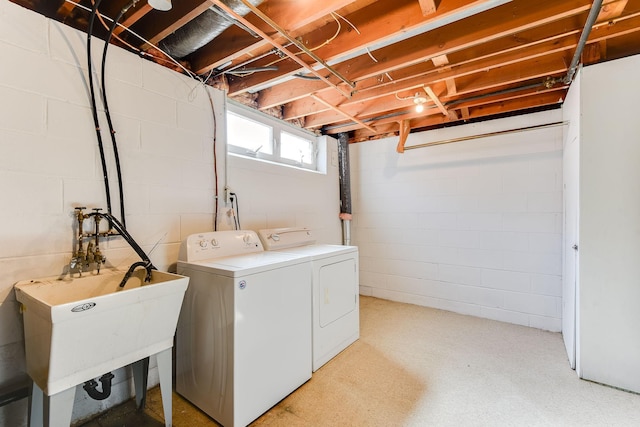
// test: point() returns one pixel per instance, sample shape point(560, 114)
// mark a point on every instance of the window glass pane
point(295, 148)
point(253, 136)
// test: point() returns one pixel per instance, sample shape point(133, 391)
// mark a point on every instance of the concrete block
point(22, 111)
point(507, 280)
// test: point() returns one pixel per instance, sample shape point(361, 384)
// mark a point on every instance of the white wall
point(473, 227)
point(49, 163)
point(609, 291)
point(281, 196)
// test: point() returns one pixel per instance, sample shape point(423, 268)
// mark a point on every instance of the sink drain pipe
point(345, 186)
point(91, 387)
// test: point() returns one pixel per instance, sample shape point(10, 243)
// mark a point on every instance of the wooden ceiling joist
point(428, 6)
point(470, 64)
point(343, 113)
point(405, 129)
point(436, 100)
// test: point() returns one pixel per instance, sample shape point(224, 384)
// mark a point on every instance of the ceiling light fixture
point(419, 101)
point(162, 5)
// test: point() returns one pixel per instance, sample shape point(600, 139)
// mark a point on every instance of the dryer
point(244, 331)
point(335, 288)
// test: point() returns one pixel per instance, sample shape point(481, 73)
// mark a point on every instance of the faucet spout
point(146, 265)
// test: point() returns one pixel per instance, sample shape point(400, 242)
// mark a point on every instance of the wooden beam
point(536, 100)
point(276, 44)
point(235, 42)
point(466, 50)
point(465, 113)
point(436, 100)
point(373, 24)
point(451, 86)
point(338, 110)
point(611, 9)
point(405, 129)
point(428, 6)
point(133, 17)
point(594, 52)
point(440, 60)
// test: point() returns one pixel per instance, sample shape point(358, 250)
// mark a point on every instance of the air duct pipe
point(202, 29)
point(345, 186)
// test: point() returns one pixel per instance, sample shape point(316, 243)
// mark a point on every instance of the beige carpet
point(415, 366)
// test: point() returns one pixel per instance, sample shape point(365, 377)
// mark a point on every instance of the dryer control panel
point(282, 238)
point(218, 244)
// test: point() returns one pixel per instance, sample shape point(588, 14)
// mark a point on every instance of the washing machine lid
point(316, 252)
point(242, 265)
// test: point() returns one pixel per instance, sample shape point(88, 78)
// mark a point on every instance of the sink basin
point(77, 329)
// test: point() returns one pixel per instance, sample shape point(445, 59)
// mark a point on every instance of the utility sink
point(77, 329)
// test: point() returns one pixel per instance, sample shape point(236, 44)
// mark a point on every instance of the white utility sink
point(77, 329)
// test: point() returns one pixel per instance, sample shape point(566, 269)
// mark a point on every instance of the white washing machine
point(335, 288)
point(244, 332)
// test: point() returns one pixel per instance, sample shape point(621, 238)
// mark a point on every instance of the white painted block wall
point(49, 163)
point(473, 227)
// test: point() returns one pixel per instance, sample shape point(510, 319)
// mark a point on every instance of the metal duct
point(202, 29)
point(343, 169)
point(345, 186)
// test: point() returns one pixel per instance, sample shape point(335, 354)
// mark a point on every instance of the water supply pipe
point(146, 261)
point(94, 109)
point(107, 113)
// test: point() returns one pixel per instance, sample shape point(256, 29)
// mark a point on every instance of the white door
point(570, 255)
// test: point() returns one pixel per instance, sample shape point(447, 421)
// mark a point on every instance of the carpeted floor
point(416, 366)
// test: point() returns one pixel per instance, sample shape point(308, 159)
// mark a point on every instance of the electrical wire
point(347, 21)
point(326, 42)
point(170, 59)
point(236, 210)
point(215, 163)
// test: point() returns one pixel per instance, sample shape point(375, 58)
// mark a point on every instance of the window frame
point(277, 127)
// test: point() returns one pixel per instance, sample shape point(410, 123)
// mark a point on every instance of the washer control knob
point(203, 243)
point(247, 238)
point(214, 242)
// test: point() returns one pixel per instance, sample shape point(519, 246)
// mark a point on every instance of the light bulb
point(419, 108)
point(162, 5)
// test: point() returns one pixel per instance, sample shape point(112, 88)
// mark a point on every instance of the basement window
point(253, 134)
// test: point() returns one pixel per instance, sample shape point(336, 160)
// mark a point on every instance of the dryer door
point(337, 291)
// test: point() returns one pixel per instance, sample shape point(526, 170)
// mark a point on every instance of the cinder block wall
point(49, 163)
point(473, 227)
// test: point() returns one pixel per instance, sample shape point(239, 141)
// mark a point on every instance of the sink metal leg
point(36, 404)
point(58, 408)
point(164, 371)
point(140, 376)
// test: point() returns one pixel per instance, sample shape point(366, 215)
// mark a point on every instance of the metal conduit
point(484, 135)
point(591, 19)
